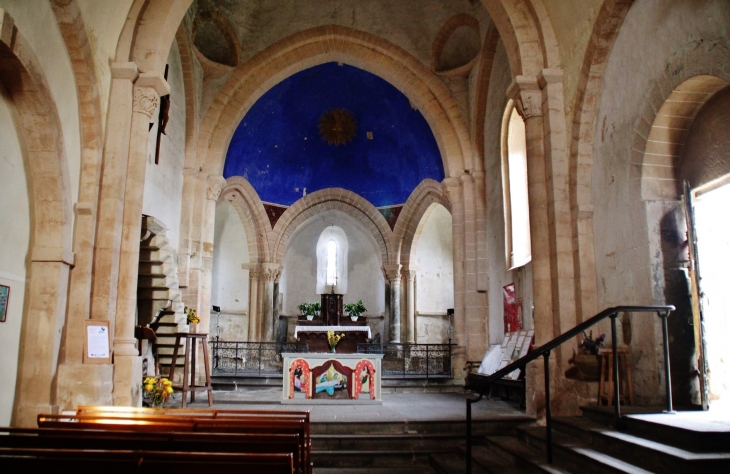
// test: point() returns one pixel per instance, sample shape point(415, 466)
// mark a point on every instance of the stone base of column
point(85, 384)
point(26, 416)
point(458, 361)
point(127, 381)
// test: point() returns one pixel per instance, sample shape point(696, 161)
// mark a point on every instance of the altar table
point(316, 337)
point(327, 378)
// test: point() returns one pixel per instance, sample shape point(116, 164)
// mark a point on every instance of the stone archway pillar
point(214, 186)
point(393, 274)
point(253, 292)
point(270, 273)
point(127, 363)
point(539, 101)
point(410, 274)
point(452, 190)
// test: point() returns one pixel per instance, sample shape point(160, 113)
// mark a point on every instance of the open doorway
point(713, 248)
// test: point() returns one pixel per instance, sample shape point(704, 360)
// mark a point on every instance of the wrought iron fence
point(251, 358)
point(412, 360)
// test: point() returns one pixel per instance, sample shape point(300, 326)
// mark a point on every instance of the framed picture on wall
point(4, 296)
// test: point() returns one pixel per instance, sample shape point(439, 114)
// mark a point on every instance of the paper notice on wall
point(98, 342)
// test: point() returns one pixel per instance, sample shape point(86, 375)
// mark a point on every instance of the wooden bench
point(94, 461)
point(262, 424)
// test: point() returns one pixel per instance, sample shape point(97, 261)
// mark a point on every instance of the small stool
point(605, 384)
point(188, 385)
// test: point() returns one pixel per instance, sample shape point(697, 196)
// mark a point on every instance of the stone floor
point(396, 407)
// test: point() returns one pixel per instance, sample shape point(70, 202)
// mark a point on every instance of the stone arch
point(427, 193)
point(335, 43)
point(489, 49)
point(525, 29)
point(226, 29)
point(590, 83)
point(184, 45)
point(50, 246)
point(332, 199)
point(442, 37)
point(693, 76)
point(244, 199)
point(148, 33)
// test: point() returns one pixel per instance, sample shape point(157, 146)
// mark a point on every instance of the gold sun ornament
point(337, 126)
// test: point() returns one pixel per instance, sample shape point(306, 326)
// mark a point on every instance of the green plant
point(354, 309)
point(310, 309)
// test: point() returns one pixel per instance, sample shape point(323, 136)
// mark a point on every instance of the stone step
point(645, 453)
point(411, 441)
point(375, 458)
point(505, 425)
point(524, 458)
point(454, 463)
point(575, 454)
point(713, 438)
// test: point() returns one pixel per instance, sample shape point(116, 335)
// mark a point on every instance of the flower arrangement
point(354, 310)
point(157, 390)
point(589, 345)
point(192, 315)
point(310, 310)
point(333, 339)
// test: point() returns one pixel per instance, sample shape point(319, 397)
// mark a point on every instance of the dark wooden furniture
point(331, 309)
point(188, 383)
point(317, 341)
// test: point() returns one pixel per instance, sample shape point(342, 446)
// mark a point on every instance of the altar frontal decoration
point(322, 378)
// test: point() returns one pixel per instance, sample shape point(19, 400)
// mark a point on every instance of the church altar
point(327, 378)
point(316, 337)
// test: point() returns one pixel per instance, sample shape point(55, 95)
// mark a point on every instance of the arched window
point(331, 262)
point(332, 250)
point(514, 187)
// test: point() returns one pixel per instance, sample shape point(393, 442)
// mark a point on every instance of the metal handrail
point(482, 383)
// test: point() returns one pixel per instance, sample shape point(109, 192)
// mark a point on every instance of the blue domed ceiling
point(277, 146)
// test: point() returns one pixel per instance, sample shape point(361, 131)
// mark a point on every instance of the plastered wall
point(15, 225)
point(629, 255)
point(163, 182)
point(365, 278)
point(230, 281)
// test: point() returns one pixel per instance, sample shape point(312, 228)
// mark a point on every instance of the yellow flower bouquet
point(192, 315)
point(157, 390)
point(333, 339)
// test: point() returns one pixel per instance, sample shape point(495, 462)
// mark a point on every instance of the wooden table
point(188, 384)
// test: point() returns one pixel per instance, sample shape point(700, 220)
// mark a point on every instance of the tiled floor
point(396, 406)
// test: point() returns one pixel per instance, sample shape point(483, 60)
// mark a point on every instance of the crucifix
point(162, 119)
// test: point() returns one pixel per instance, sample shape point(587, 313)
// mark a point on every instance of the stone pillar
point(253, 292)
point(46, 308)
point(214, 186)
point(452, 190)
point(186, 222)
point(270, 273)
point(480, 198)
point(393, 274)
point(410, 274)
point(127, 363)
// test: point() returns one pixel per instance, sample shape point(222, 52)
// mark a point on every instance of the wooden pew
point(123, 461)
point(262, 424)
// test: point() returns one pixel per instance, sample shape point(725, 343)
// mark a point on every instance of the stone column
point(186, 222)
point(127, 363)
point(452, 190)
point(214, 186)
point(270, 273)
point(410, 274)
point(253, 292)
point(46, 308)
point(392, 273)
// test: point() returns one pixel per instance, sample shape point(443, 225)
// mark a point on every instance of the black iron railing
point(412, 360)
point(251, 358)
point(481, 383)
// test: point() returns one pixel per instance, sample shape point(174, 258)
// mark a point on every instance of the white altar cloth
point(336, 329)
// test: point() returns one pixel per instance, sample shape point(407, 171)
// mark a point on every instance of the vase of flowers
point(157, 390)
point(354, 310)
point(193, 319)
point(590, 345)
point(333, 339)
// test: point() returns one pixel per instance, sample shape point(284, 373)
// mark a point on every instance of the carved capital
point(392, 272)
point(145, 100)
point(526, 93)
point(409, 274)
point(253, 275)
point(214, 186)
point(271, 272)
point(452, 189)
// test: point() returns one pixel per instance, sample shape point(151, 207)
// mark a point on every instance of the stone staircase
point(159, 300)
point(394, 447)
point(591, 444)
